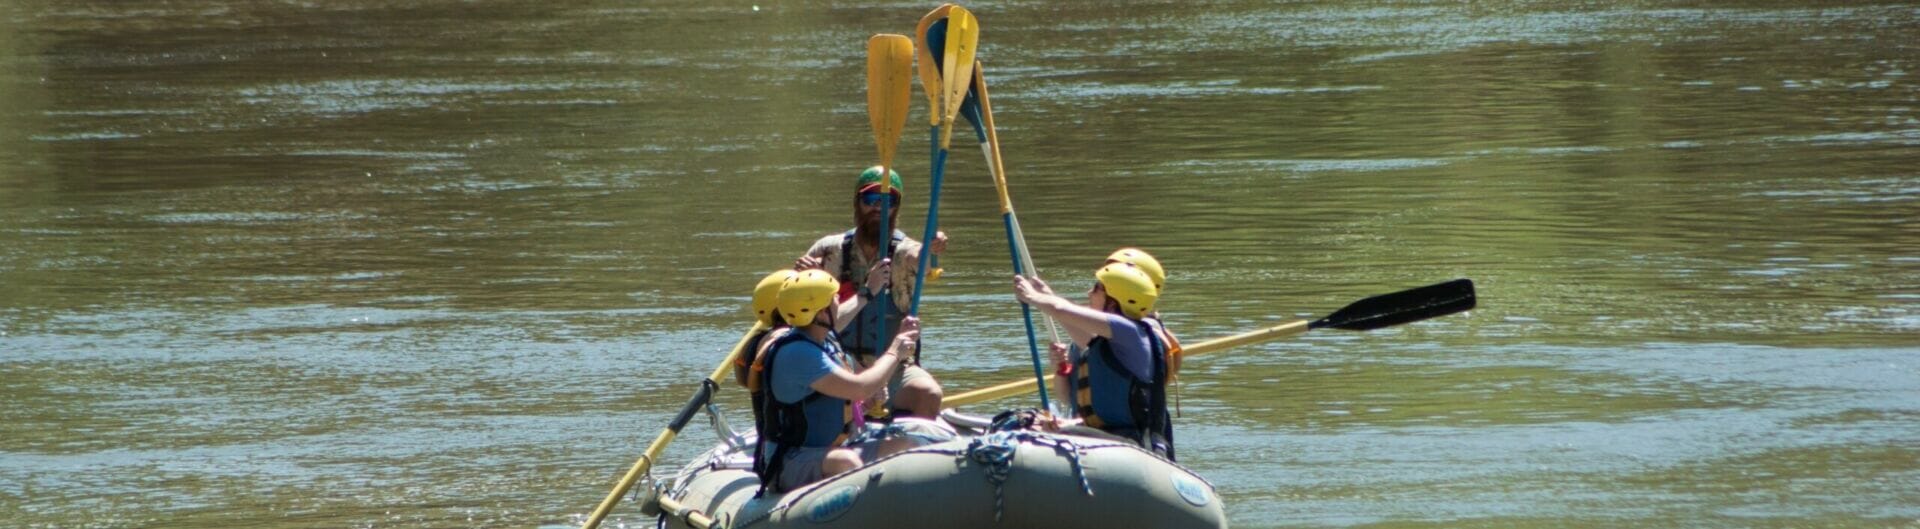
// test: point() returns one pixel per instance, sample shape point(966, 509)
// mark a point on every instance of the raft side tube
point(944, 486)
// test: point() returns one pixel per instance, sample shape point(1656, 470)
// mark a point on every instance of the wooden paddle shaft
point(1021, 387)
point(693, 517)
point(700, 398)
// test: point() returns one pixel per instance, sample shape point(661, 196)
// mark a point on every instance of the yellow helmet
point(1145, 262)
point(766, 295)
point(1128, 286)
point(805, 294)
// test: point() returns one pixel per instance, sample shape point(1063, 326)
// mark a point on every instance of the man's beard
point(871, 225)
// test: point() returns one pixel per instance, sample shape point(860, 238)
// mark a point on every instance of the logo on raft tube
point(833, 504)
point(1191, 490)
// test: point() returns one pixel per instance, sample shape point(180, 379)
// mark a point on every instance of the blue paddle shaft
point(933, 221)
point(1026, 312)
point(885, 296)
point(971, 109)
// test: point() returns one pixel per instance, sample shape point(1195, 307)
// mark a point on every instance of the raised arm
point(845, 384)
point(850, 309)
point(1082, 323)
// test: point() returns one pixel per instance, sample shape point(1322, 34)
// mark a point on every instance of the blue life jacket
point(1111, 398)
point(786, 425)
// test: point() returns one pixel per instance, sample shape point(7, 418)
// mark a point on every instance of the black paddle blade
point(1406, 306)
point(935, 40)
point(970, 109)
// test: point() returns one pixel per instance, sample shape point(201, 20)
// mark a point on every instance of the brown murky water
point(451, 264)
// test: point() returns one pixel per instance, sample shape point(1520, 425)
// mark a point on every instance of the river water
point(452, 264)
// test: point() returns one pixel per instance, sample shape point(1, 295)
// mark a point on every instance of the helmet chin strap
point(827, 315)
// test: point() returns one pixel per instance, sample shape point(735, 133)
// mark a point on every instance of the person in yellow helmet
point(850, 257)
point(812, 388)
point(1121, 380)
point(1146, 263)
point(765, 294)
point(771, 327)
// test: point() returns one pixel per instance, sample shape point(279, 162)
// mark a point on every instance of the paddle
point(930, 83)
point(978, 108)
point(700, 398)
point(957, 52)
point(960, 97)
point(1372, 313)
point(889, 94)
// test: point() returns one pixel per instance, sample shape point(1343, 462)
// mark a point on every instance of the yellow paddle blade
point(963, 35)
point(929, 71)
point(889, 92)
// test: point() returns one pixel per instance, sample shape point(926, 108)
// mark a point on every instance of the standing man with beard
point(848, 256)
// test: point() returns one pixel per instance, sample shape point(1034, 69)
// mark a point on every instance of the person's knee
point(927, 388)
point(922, 397)
point(839, 461)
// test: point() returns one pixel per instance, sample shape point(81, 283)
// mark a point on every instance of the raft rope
point(640, 493)
point(995, 451)
point(728, 435)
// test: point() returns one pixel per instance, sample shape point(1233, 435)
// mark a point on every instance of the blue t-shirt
point(796, 366)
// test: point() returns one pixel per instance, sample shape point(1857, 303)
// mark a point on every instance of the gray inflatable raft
point(1018, 479)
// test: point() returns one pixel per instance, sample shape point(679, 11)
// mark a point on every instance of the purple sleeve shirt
point(1130, 346)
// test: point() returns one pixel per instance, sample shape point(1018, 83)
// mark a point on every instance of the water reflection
point(451, 264)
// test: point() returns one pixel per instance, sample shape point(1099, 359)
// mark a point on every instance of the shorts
point(804, 464)
point(917, 431)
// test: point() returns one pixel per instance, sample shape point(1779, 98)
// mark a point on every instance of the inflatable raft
point(1008, 479)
